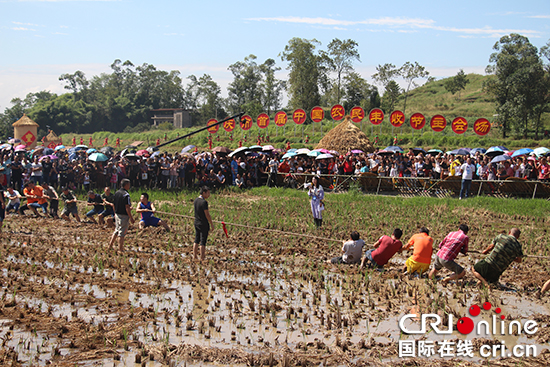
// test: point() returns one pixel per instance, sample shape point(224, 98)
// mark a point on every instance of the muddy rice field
point(259, 299)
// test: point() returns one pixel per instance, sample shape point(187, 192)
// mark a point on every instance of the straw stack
point(345, 137)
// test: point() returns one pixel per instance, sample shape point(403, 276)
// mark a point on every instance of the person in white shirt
point(352, 251)
point(14, 200)
point(468, 170)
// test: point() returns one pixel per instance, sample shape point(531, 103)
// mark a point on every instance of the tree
point(245, 89)
point(77, 83)
point(339, 58)
point(210, 100)
point(385, 76)
point(457, 83)
point(391, 93)
point(409, 72)
point(517, 73)
point(305, 73)
point(272, 88)
point(357, 92)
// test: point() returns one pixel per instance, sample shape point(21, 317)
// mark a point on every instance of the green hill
point(432, 98)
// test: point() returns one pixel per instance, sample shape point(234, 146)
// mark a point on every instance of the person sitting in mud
point(449, 248)
point(421, 258)
point(69, 201)
point(383, 250)
point(51, 195)
point(351, 250)
point(504, 250)
point(147, 209)
point(14, 200)
point(96, 201)
point(35, 199)
point(109, 213)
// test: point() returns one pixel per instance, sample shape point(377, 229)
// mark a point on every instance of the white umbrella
point(303, 151)
point(324, 156)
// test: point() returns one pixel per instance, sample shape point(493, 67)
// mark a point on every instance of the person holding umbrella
point(317, 195)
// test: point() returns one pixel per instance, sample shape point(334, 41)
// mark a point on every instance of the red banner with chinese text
point(317, 114)
point(397, 118)
point(357, 114)
point(482, 126)
point(281, 118)
point(438, 123)
point(262, 120)
point(299, 116)
point(459, 125)
point(214, 129)
point(417, 121)
point(229, 125)
point(376, 116)
point(337, 112)
point(246, 122)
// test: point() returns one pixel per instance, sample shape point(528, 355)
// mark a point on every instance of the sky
point(42, 39)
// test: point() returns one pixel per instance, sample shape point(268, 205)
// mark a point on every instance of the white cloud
point(539, 16)
point(29, 24)
point(23, 29)
point(399, 22)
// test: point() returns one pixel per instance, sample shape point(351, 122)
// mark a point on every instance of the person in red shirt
point(287, 145)
point(348, 166)
point(91, 142)
point(81, 141)
point(74, 141)
point(284, 167)
point(383, 250)
point(117, 142)
point(105, 142)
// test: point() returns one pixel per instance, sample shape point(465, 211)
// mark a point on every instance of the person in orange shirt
point(35, 199)
point(422, 252)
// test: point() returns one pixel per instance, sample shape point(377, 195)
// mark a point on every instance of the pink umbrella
point(143, 153)
point(21, 146)
point(325, 151)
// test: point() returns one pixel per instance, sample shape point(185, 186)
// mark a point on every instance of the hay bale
point(345, 137)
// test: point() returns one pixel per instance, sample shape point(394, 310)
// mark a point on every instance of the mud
point(257, 300)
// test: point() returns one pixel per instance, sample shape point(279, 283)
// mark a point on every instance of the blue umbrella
point(291, 150)
point(523, 151)
point(91, 150)
point(475, 150)
point(314, 153)
point(501, 158)
point(72, 156)
point(98, 157)
point(289, 155)
point(393, 148)
point(59, 147)
point(187, 148)
point(541, 151)
point(460, 151)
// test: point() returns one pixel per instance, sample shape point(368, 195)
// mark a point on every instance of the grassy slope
point(430, 99)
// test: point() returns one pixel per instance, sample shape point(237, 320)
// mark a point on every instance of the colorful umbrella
point(494, 151)
point(98, 157)
point(14, 141)
point(314, 153)
point(324, 156)
point(523, 151)
point(187, 148)
point(501, 158)
point(59, 147)
point(289, 155)
point(91, 150)
point(268, 148)
point(143, 153)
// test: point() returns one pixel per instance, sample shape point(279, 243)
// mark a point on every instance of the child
point(147, 209)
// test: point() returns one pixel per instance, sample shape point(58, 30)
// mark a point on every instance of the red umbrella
point(143, 153)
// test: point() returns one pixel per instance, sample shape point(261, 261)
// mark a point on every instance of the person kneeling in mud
point(351, 249)
point(421, 258)
point(147, 209)
point(383, 250)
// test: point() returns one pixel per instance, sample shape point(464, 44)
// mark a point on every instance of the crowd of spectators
point(173, 171)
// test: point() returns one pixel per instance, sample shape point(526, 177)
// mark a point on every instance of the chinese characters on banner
point(459, 125)
point(229, 125)
point(213, 129)
point(262, 120)
point(427, 348)
point(281, 118)
point(417, 121)
point(317, 114)
point(246, 122)
point(299, 116)
point(376, 116)
point(438, 123)
point(482, 126)
point(397, 118)
point(337, 112)
point(357, 114)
